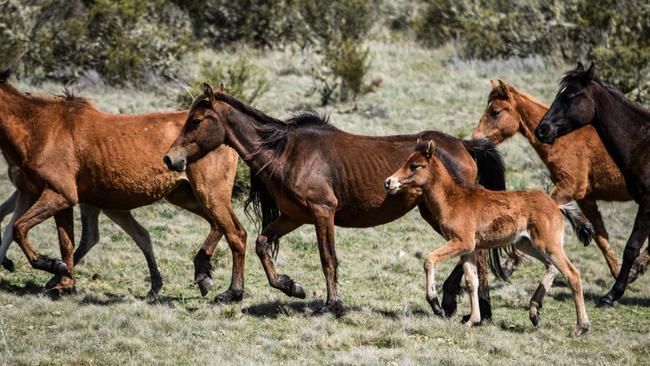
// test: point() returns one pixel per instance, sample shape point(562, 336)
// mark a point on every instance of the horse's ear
point(431, 147)
point(493, 84)
point(591, 72)
point(503, 88)
point(220, 89)
point(580, 67)
point(207, 91)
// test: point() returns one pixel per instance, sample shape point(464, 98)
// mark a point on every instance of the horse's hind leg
point(23, 202)
point(140, 235)
point(65, 227)
point(6, 208)
point(639, 266)
point(545, 284)
point(550, 244)
point(590, 209)
point(278, 228)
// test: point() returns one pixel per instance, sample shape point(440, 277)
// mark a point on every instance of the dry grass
point(387, 320)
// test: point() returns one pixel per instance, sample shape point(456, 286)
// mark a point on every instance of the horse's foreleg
point(590, 209)
point(452, 248)
point(639, 234)
point(324, 223)
point(65, 228)
point(278, 228)
point(47, 205)
point(23, 202)
point(140, 235)
point(6, 208)
point(471, 278)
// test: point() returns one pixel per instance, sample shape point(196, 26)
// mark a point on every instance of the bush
point(261, 23)
point(614, 34)
point(240, 78)
point(335, 32)
point(121, 40)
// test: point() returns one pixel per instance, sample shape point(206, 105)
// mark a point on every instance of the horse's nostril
point(387, 182)
point(167, 160)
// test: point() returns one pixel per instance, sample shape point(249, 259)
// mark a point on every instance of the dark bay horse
point(579, 165)
point(318, 174)
point(473, 217)
point(63, 151)
point(624, 128)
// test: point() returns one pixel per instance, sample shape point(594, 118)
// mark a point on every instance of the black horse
point(624, 127)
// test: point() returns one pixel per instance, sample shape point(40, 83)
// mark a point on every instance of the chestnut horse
point(472, 217)
point(67, 152)
point(623, 127)
point(316, 174)
point(579, 166)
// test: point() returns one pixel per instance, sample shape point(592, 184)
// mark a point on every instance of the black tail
point(264, 210)
point(580, 224)
point(491, 175)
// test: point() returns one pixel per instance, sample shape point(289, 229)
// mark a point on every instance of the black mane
point(273, 132)
point(5, 74)
point(577, 75)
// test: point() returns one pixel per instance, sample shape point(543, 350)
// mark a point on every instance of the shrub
point(121, 40)
point(614, 34)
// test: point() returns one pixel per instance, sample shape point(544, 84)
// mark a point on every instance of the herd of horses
point(61, 151)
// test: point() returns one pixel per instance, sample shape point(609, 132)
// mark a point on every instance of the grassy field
point(388, 321)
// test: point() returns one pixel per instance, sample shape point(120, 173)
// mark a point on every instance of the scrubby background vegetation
point(401, 67)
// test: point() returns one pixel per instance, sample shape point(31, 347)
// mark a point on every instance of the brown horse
point(316, 174)
point(623, 127)
point(471, 217)
point(579, 165)
point(67, 152)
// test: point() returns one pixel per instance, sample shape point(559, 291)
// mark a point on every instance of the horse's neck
point(622, 129)
point(531, 112)
point(243, 136)
point(441, 191)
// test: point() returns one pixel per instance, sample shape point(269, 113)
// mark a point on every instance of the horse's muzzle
point(177, 165)
point(545, 133)
point(392, 185)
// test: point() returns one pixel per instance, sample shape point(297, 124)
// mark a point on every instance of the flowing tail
point(260, 207)
point(491, 175)
point(579, 223)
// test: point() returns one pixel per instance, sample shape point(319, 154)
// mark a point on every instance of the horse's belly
point(126, 194)
point(390, 209)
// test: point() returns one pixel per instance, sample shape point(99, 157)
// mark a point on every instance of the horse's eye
point(494, 113)
point(196, 121)
point(414, 166)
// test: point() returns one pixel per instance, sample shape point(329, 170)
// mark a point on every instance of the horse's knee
point(630, 253)
point(261, 246)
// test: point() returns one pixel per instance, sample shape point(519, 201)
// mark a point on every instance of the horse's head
point(415, 172)
point(203, 132)
point(573, 107)
point(500, 119)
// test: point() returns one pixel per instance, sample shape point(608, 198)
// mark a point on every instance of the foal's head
point(500, 119)
point(203, 132)
point(415, 172)
point(574, 105)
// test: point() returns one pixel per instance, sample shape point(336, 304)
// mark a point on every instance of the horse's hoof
point(580, 330)
point(606, 301)
point(435, 306)
point(472, 323)
point(298, 291)
point(205, 283)
point(449, 306)
point(485, 309)
point(52, 282)
point(229, 296)
point(152, 296)
point(334, 307)
point(8, 264)
point(59, 290)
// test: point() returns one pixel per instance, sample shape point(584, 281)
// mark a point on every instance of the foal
point(471, 217)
